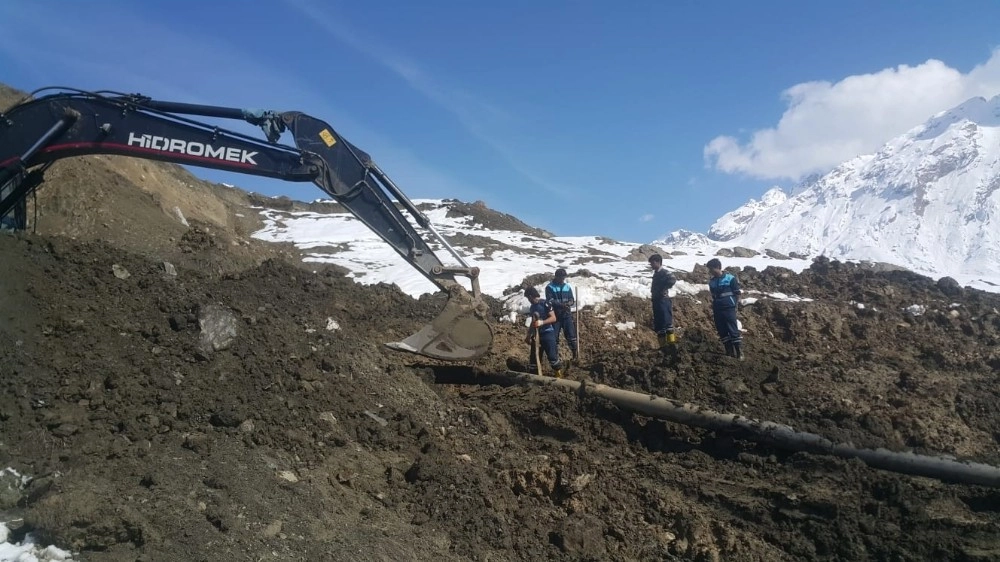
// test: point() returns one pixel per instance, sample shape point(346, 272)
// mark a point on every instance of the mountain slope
point(928, 200)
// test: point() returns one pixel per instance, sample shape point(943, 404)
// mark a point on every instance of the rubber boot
point(672, 338)
point(730, 350)
point(557, 373)
point(738, 349)
point(573, 345)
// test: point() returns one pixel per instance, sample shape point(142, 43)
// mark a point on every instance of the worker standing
point(543, 327)
point(560, 295)
point(725, 289)
point(663, 310)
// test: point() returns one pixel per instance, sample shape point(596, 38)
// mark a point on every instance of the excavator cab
point(39, 130)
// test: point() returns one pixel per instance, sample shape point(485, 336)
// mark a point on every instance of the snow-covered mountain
point(734, 223)
point(928, 200)
point(687, 240)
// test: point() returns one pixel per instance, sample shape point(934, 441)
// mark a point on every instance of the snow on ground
point(504, 257)
point(28, 551)
point(12, 483)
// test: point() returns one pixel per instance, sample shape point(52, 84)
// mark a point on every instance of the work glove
point(538, 324)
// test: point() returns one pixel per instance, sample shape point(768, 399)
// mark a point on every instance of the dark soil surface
point(301, 442)
point(301, 437)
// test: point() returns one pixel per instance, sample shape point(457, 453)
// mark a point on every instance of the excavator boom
point(39, 131)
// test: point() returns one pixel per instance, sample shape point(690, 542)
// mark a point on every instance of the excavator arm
point(40, 130)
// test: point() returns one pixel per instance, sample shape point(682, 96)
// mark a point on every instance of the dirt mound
point(490, 219)
point(145, 206)
point(179, 391)
point(300, 436)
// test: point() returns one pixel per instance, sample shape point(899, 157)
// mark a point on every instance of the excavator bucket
point(458, 333)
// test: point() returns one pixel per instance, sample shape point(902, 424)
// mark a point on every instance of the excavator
point(56, 122)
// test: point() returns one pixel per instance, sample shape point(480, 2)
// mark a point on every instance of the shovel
point(536, 345)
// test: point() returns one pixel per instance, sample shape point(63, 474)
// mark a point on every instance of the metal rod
point(67, 119)
point(20, 188)
point(579, 328)
point(421, 218)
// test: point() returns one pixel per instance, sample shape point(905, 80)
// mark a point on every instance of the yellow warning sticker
point(327, 137)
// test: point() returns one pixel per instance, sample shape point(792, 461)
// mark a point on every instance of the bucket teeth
point(457, 334)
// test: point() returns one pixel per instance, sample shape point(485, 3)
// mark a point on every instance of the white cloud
point(646, 218)
point(827, 123)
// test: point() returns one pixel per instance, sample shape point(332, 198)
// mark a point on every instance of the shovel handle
point(537, 345)
point(579, 327)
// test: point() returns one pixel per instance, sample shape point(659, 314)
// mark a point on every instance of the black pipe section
point(778, 435)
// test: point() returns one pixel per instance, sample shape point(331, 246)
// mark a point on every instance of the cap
point(714, 263)
point(560, 273)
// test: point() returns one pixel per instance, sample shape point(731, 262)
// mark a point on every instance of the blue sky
point(584, 118)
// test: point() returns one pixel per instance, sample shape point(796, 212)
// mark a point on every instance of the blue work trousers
point(726, 325)
point(567, 326)
point(663, 317)
point(549, 348)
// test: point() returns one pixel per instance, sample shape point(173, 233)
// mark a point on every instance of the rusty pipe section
point(778, 435)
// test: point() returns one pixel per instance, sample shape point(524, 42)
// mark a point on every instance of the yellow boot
point(557, 373)
point(671, 338)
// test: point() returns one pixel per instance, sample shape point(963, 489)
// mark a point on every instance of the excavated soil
point(309, 440)
point(304, 438)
